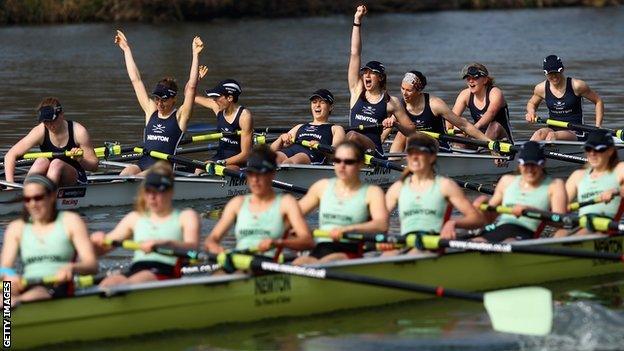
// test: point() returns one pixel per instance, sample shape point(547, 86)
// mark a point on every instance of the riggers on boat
point(199, 302)
point(118, 191)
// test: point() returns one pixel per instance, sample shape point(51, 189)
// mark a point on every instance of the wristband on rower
point(8, 271)
point(357, 24)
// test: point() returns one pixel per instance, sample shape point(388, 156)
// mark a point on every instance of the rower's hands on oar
point(265, 245)
point(360, 12)
point(389, 122)
point(286, 139)
point(448, 230)
point(336, 233)
point(203, 70)
point(64, 274)
point(98, 239)
point(76, 153)
point(517, 210)
point(608, 195)
point(198, 45)
point(121, 41)
point(530, 117)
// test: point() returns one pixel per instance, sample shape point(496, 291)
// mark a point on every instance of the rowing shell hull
point(199, 302)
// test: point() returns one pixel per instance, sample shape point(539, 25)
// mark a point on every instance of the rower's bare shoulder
point(540, 89)
point(394, 103)
point(557, 184)
point(70, 217)
point(188, 214)
point(577, 175)
point(374, 191)
point(579, 86)
point(288, 201)
point(319, 185)
point(15, 227)
point(506, 180)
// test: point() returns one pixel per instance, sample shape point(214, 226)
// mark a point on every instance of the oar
point(522, 310)
point(567, 220)
point(482, 188)
point(35, 155)
point(80, 281)
point(595, 200)
point(215, 169)
point(618, 133)
point(205, 127)
point(499, 146)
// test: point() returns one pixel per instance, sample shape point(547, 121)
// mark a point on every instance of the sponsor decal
point(607, 245)
point(69, 192)
point(272, 290)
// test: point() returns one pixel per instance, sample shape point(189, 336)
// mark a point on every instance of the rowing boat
point(101, 191)
point(198, 302)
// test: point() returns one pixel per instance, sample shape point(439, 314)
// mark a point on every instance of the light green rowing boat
point(199, 302)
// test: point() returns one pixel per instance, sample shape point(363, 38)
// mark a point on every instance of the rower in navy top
point(428, 112)
point(370, 103)
point(563, 97)
point(318, 131)
point(55, 134)
point(231, 117)
point(164, 124)
point(492, 118)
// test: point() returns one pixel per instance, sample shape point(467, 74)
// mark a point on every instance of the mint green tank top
point(536, 198)
point(44, 254)
point(253, 227)
point(146, 229)
point(589, 188)
point(421, 211)
point(337, 212)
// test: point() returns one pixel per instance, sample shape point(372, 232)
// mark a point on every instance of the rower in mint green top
point(338, 212)
point(421, 211)
point(146, 229)
point(44, 254)
point(589, 188)
point(537, 198)
point(253, 227)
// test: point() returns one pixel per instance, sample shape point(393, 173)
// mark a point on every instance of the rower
point(563, 97)
point(319, 131)
point(370, 103)
point(423, 197)
point(53, 129)
point(486, 103)
point(47, 241)
point(603, 177)
point(259, 218)
point(531, 189)
point(164, 124)
point(428, 112)
point(231, 117)
point(346, 205)
point(154, 221)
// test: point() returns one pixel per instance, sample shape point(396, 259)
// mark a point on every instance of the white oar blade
point(526, 310)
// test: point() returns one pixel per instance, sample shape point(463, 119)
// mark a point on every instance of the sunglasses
point(346, 161)
point(600, 150)
point(161, 100)
point(37, 198)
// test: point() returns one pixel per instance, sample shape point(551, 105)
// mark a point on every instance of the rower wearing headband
point(428, 112)
point(55, 134)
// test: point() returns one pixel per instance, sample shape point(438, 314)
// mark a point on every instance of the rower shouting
point(53, 131)
point(164, 124)
point(319, 131)
point(564, 100)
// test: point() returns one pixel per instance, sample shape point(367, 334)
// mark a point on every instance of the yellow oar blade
point(527, 311)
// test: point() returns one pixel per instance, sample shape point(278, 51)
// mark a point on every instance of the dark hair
point(234, 98)
point(49, 192)
point(263, 151)
point(357, 149)
point(169, 83)
point(424, 140)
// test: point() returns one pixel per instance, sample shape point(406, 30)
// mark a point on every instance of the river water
point(279, 63)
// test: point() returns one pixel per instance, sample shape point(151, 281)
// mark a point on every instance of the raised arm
point(202, 100)
point(146, 103)
point(228, 217)
point(581, 88)
point(190, 90)
point(355, 60)
point(534, 102)
point(32, 139)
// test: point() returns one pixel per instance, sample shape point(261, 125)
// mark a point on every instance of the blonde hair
point(425, 139)
point(162, 168)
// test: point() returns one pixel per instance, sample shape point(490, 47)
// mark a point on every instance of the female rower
point(52, 131)
point(154, 221)
point(47, 242)
point(486, 103)
point(531, 189)
point(319, 130)
point(423, 196)
point(603, 176)
point(428, 112)
point(563, 97)
point(346, 205)
point(231, 117)
point(164, 124)
point(370, 103)
point(259, 218)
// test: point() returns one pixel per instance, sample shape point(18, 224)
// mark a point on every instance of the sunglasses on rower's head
point(36, 198)
point(346, 161)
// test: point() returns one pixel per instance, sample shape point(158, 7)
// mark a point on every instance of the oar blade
point(526, 310)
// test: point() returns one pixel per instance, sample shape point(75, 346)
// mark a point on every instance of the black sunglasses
point(37, 198)
point(601, 150)
point(346, 161)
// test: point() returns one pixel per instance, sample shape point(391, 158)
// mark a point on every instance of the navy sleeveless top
point(568, 108)
point(366, 114)
point(160, 134)
point(319, 132)
point(427, 120)
point(47, 146)
point(229, 145)
point(502, 116)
